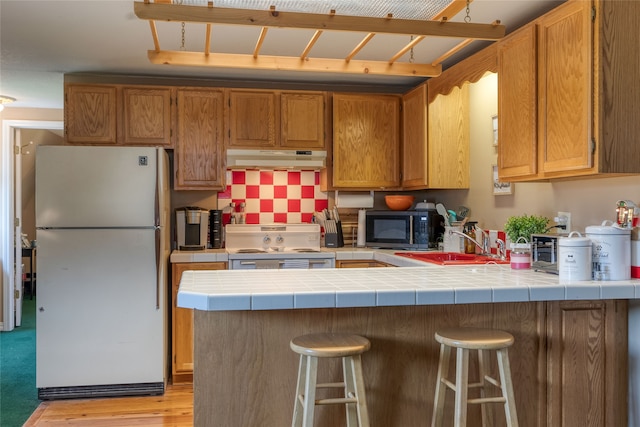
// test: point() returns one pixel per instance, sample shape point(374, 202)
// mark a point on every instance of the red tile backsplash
point(273, 196)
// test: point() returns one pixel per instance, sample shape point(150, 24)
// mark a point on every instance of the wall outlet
point(565, 218)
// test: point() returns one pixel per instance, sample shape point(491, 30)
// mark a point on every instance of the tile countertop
point(418, 284)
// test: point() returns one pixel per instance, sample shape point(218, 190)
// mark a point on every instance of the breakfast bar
point(569, 360)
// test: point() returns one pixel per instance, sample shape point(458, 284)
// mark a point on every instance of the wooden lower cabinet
point(182, 323)
point(568, 362)
point(362, 263)
point(587, 363)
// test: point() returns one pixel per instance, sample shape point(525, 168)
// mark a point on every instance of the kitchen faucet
point(484, 246)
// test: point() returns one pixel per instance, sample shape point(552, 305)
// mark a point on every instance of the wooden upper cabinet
point(147, 115)
point(253, 115)
point(302, 120)
point(366, 149)
point(197, 162)
point(587, 99)
point(414, 142)
point(90, 114)
point(448, 135)
point(565, 103)
point(517, 105)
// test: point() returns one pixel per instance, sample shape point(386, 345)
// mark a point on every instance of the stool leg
point(441, 388)
point(462, 386)
point(486, 411)
point(305, 392)
point(353, 371)
point(350, 391)
point(298, 406)
point(507, 387)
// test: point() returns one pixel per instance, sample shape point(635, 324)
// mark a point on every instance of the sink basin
point(451, 258)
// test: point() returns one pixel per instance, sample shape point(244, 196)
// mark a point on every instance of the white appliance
point(102, 216)
point(290, 159)
point(276, 246)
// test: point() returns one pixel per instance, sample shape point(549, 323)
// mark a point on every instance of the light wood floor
point(174, 408)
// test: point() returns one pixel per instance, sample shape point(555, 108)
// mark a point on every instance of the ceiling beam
point(272, 18)
point(285, 63)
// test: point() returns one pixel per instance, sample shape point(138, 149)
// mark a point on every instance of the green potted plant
point(523, 226)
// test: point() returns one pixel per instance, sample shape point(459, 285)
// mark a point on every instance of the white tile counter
point(228, 290)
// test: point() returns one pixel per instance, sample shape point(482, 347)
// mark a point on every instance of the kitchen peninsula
point(569, 360)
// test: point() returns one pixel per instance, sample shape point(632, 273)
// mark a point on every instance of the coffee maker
point(192, 227)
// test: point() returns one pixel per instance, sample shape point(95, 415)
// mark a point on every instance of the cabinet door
point(587, 352)
point(448, 135)
point(182, 323)
point(197, 161)
point(90, 114)
point(252, 118)
point(303, 120)
point(565, 102)
point(362, 264)
point(147, 116)
point(517, 105)
point(414, 134)
point(366, 141)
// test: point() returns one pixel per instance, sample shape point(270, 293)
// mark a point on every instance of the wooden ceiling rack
point(438, 26)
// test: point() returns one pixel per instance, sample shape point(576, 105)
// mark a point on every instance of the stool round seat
point(330, 345)
point(474, 338)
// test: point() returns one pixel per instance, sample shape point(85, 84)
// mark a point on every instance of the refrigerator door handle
point(158, 261)
point(157, 195)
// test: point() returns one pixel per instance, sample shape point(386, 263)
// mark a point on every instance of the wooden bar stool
point(349, 348)
point(465, 339)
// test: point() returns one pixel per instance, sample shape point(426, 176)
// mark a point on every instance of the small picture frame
point(494, 125)
point(500, 188)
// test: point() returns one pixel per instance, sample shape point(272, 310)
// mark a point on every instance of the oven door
point(280, 263)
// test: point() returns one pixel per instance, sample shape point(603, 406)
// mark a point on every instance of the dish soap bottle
point(470, 230)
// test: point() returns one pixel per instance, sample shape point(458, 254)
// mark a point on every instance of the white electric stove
point(275, 246)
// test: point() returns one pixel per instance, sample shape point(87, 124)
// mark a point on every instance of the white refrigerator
point(102, 230)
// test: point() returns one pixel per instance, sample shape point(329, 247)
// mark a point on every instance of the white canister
point(611, 248)
point(453, 242)
point(575, 257)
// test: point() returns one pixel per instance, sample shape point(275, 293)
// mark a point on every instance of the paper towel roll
point(361, 239)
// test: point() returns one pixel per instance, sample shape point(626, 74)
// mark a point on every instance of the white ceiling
point(41, 40)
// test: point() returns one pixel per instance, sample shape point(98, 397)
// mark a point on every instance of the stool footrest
point(335, 400)
point(487, 400)
point(330, 385)
point(449, 384)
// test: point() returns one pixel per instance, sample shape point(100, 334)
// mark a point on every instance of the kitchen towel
point(361, 239)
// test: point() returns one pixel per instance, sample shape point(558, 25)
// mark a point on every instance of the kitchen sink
point(451, 258)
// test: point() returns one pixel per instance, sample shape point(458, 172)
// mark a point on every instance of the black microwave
point(414, 230)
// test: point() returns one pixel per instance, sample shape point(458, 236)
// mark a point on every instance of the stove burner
point(251, 251)
point(305, 250)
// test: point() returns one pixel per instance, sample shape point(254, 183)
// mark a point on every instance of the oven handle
point(311, 262)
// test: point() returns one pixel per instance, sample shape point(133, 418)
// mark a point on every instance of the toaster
point(544, 252)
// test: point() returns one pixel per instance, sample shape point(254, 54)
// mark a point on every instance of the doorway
point(10, 209)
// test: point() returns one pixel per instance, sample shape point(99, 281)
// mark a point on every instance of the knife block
point(334, 240)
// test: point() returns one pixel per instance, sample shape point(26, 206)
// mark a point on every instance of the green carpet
point(18, 393)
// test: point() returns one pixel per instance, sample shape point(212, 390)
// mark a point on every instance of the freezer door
point(100, 314)
point(96, 186)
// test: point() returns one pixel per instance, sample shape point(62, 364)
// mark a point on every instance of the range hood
point(275, 159)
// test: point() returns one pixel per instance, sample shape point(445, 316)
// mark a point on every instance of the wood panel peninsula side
point(569, 360)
